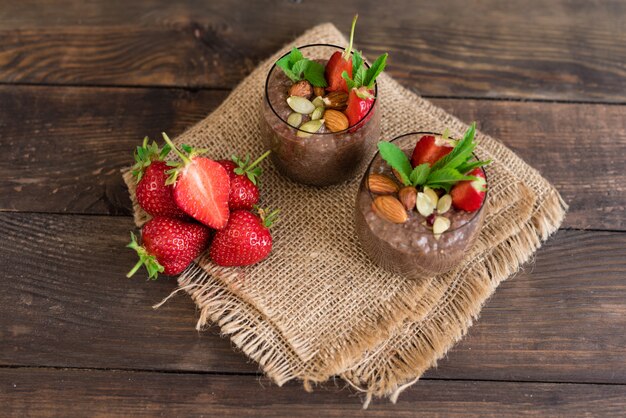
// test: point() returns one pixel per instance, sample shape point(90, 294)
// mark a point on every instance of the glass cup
point(410, 248)
point(323, 158)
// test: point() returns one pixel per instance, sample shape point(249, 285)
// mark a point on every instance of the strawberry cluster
point(193, 199)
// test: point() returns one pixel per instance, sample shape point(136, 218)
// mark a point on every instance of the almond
point(390, 209)
point(336, 121)
point(381, 184)
point(302, 88)
point(337, 100)
point(319, 91)
point(408, 197)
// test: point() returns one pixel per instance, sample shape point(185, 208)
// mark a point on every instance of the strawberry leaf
point(397, 160)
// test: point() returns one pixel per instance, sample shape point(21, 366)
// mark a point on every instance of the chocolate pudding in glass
point(324, 157)
point(411, 248)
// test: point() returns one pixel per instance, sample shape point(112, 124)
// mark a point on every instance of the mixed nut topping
point(440, 175)
point(339, 93)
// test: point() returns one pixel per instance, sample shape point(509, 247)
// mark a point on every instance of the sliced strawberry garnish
point(201, 187)
point(428, 151)
point(469, 195)
point(360, 101)
point(338, 63)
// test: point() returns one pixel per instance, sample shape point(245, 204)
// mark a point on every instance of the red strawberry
point(201, 186)
point(427, 150)
point(244, 193)
point(169, 245)
point(361, 88)
point(469, 195)
point(245, 240)
point(152, 194)
point(338, 63)
point(360, 102)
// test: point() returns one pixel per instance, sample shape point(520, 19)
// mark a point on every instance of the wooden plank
point(68, 144)
point(534, 49)
point(44, 392)
point(66, 303)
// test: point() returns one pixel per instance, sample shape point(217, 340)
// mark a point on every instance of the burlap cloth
point(318, 307)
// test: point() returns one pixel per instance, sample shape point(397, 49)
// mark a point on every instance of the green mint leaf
point(349, 82)
point(357, 61)
point(419, 175)
point(295, 55)
point(377, 67)
point(470, 165)
point(285, 65)
point(359, 76)
point(461, 152)
point(300, 67)
point(314, 73)
point(396, 159)
point(444, 186)
point(446, 175)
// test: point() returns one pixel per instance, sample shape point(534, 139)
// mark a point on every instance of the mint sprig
point(362, 76)
point(444, 173)
point(297, 68)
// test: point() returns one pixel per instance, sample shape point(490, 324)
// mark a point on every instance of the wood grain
point(68, 145)
point(66, 303)
point(44, 392)
point(533, 49)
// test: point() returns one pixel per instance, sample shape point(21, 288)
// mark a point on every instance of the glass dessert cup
point(410, 248)
point(323, 158)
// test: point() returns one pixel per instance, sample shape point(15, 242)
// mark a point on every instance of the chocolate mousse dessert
point(320, 115)
point(420, 204)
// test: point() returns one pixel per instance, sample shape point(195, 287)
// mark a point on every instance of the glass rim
point(359, 123)
point(423, 133)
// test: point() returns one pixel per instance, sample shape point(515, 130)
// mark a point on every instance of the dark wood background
point(82, 82)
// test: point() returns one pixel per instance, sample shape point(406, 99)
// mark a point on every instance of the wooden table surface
point(82, 82)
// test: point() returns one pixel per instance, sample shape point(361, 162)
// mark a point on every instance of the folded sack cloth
point(317, 306)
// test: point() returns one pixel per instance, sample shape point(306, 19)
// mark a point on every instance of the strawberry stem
point(268, 219)
point(258, 160)
point(171, 144)
point(348, 51)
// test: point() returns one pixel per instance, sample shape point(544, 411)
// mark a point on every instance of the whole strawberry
point(169, 245)
point(201, 186)
point(245, 240)
point(153, 195)
point(244, 191)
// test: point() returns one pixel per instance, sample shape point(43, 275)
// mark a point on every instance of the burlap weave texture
point(318, 306)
